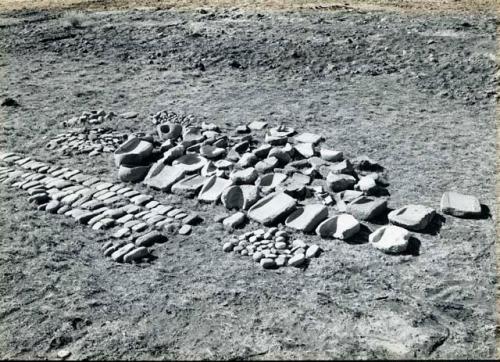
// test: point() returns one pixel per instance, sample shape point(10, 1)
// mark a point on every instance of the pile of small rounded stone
point(92, 141)
point(170, 116)
point(92, 117)
point(272, 248)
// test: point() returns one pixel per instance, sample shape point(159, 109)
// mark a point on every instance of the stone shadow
point(413, 247)
point(361, 237)
point(435, 225)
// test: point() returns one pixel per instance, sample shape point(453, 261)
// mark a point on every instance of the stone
point(339, 182)
point(390, 239)
point(240, 197)
point(306, 150)
point(131, 209)
point(192, 219)
point(191, 136)
point(267, 165)
point(150, 239)
point(272, 208)
point(185, 230)
point(309, 138)
point(245, 176)
point(189, 186)
point(270, 181)
point(121, 252)
point(307, 218)
point(211, 152)
point(115, 213)
point(297, 260)
point(104, 223)
point(140, 227)
point(172, 154)
point(163, 177)
point(132, 173)
point(169, 131)
point(344, 167)
point(461, 205)
point(364, 163)
point(129, 115)
point(298, 244)
point(141, 200)
point(282, 156)
point(39, 199)
point(53, 206)
point(263, 150)
point(152, 204)
point(247, 160)
point(234, 221)
point(276, 140)
point(121, 233)
point(312, 251)
point(268, 263)
point(131, 194)
point(227, 247)
point(341, 226)
point(190, 163)
point(282, 131)
point(331, 155)
point(134, 152)
point(63, 354)
point(221, 165)
point(349, 195)
point(105, 196)
point(365, 184)
point(412, 217)
point(136, 254)
point(213, 188)
point(58, 183)
point(366, 208)
point(257, 125)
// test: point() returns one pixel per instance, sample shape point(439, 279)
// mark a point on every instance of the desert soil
point(414, 91)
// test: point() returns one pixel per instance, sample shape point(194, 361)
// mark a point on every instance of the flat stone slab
point(331, 155)
point(163, 177)
point(213, 188)
point(240, 197)
point(412, 217)
point(390, 239)
point(270, 209)
point(189, 186)
point(366, 208)
point(307, 218)
point(341, 226)
point(306, 150)
point(457, 204)
point(309, 138)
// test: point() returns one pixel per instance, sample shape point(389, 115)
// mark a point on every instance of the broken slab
point(412, 217)
point(307, 218)
point(339, 182)
point(390, 239)
point(341, 226)
point(162, 177)
point(245, 176)
point(342, 167)
point(306, 150)
point(272, 208)
point(189, 186)
point(134, 151)
point(366, 208)
point(213, 188)
point(461, 205)
point(240, 197)
point(331, 155)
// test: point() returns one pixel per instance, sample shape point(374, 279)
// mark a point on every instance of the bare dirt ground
point(413, 90)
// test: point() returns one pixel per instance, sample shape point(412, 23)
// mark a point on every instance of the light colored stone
point(163, 177)
point(134, 151)
point(297, 260)
point(366, 208)
point(240, 197)
point(211, 152)
point(257, 125)
point(121, 252)
point(247, 160)
point(342, 167)
point(234, 220)
point(412, 217)
point(272, 208)
point(213, 188)
point(227, 247)
point(461, 205)
point(331, 155)
point(390, 239)
point(172, 154)
point(306, 150)
point(312, 251)
point(366, 184)
point(245, 176)
point(307, 218)
point(185, 230)
point(189, 186)
point(135, 254)
point(341, 226)
point(141, 199)
point(150, 239)
point(309, 138)
point(190, 163)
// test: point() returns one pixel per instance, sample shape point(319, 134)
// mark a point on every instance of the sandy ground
point(415, 91)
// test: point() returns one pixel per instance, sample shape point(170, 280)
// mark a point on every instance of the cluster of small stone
point(131, 216)
point(272, 248)
point(89, 117)
point(165, 116)
point(91, 141)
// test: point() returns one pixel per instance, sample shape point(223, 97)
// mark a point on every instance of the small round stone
point(244, 252)
point(253, 239)
point(237, 249)
point(63, 353)
point(267, 263)
point(227, 247)
point(312, 251)
point(297, 260)
point(243, 243)
point(280, 245)
point(257, 256)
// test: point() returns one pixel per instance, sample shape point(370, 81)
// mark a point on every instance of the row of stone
point(272, 248)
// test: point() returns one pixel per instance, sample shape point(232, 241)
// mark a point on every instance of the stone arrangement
point(272, 248)
point(92, 141)
point(165, 116)
point(134, 219)
point(89, 118)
